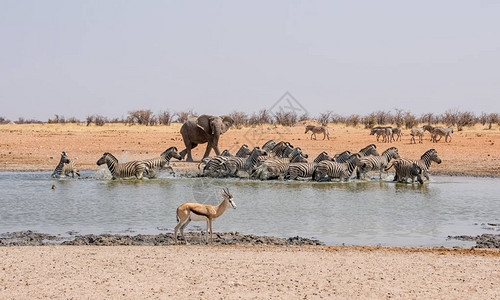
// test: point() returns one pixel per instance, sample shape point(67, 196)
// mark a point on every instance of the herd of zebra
point(390, 134)
point(283, 161)
point(273, 161)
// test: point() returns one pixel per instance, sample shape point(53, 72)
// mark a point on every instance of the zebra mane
point(428, 153)
point(390, 149)
point(170, 149)
point(111, 156)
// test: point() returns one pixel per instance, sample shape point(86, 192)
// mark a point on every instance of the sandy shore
point(34, 147)
point(260, 272)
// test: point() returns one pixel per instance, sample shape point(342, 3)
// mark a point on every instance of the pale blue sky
point(77, 58)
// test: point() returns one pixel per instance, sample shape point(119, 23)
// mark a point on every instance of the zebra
point(277, 167)
point(379, 131)
point(58, 171)
point(388, 135)
point(318, 129)
point(403, 165)
point(302, 170)
point(268, 146)
point(368, 150)
point(322, 156)
point(122, 170)
point(281, 148)
point(410, 171)
point(154, 165)
point(327, 170)
point(213, 165)
point(446, 132)
point(234, 164)
point(398, 132)
point(70, 167)
point(415, 131)
point(428, 128)
point(342, 157)
point(225, 153)
point(372, 163)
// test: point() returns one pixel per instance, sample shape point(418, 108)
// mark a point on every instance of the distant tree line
point(398, 117)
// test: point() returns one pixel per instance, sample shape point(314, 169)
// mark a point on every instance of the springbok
point(188, 212)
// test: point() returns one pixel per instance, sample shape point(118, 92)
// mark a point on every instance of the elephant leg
point(207, 152)
point(189, 146)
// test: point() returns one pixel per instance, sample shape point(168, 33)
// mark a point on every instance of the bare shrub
point(353, 120)
point(286, 118)
point(165, 117)
point(4, 120)
point(336, 118)
point(383, 117)
point(370, 120)
point(450, 117)
point(493, 118)
point(410, 120)
point(141, 117)
point(57, 119)
point(183, 116)
point(264, 117)
point(240, 119)
point(324, 118)
point(428, 119)
point(465, 119)
point(304, 117)
point(398, 117)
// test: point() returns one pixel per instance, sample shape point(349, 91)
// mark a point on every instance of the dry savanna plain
point(233, 272)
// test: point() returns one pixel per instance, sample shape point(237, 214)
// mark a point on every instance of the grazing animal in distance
point(398, 133)
point(122, 170)
point(415, 131)
point(439, 131)
point(318, 129)
point(188, 212)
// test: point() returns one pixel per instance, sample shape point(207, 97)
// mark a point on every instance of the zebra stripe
point(405, 171)
point(58, 171)
point(122, 170)
point(268, 146)
point(439, 131)
point(154, 165)
point(403, 165)
point(301, 170)
point(342, 157)
point(70, 167)
point(373, 163)
point(327, 170)
point(277, 167)
point(234, 164)
point(322, 156)
point(318, 129)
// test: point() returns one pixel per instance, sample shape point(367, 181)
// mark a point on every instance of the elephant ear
point(203, 122)
point(227, 122)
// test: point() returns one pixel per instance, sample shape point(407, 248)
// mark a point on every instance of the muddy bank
point(482, 241)
point(30, 238)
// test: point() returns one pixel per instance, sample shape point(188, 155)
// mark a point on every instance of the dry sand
point(238, 271)
point(260, 272)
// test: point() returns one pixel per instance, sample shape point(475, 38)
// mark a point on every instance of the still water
point(354, 213)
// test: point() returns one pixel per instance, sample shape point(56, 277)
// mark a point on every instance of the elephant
point(204, 129)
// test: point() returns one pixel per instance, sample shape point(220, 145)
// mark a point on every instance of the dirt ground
point(36, 147)
point(248, 272)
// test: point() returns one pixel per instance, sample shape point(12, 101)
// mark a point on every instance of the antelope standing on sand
point(188, 212)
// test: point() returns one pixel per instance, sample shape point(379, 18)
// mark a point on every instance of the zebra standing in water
point(342, 157)
point(278, 167)
point(373, 163)
point(58, 172)
point(327, 170)
point(306, 169)
point(122, 170)
point(317, 129)
point(403, 165)
point(322, 156)
point(408, 171)
point(268, 146)
point(70, 167)
point(154, 165)
point(234, 164)
point(214, 166)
